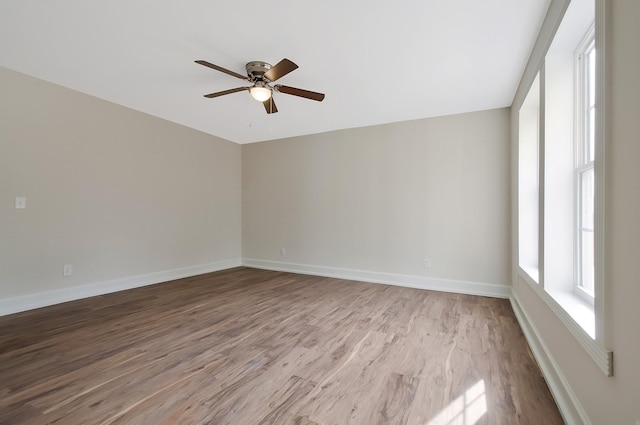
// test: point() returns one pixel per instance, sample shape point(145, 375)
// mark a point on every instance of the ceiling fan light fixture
point(260, 75)
point(260, 93)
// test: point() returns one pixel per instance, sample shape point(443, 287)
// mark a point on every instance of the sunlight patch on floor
point(464, 410)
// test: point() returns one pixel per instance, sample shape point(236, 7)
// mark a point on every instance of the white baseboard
point(568, 404)
point(57, 296)
point(410, 281)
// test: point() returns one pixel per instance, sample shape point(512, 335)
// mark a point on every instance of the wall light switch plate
point(67, 270)
point(21, 202)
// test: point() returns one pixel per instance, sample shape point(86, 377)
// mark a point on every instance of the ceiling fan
point(261, 75)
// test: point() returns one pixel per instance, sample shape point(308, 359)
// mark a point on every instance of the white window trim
point(533, 268)
point(595, 348)
point(599, 167)
point(601, 356)
point(582, 163)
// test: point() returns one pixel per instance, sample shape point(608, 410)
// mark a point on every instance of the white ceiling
point(377, 61)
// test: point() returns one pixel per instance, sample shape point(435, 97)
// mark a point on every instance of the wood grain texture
point(245, 346)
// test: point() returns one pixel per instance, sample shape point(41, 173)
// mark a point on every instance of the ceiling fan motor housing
point(256, 70)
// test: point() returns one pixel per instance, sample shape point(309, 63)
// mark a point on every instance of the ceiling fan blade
point(300, 92)
point(222, 93)
point(221, 69)
point(280, 69)
point(270, 106)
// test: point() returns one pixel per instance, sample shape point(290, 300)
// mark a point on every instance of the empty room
point(330, 213)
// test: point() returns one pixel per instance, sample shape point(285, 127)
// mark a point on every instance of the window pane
point(592, 77)
point(587, 269)
point(591, 137)
point(591, 102)
point(586, 199)
point(529, 181)
point(586, 257)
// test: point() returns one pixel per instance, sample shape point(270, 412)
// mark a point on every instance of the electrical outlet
point(283, 252)
point(68, 270)
point(21, 202)
point(427, 263)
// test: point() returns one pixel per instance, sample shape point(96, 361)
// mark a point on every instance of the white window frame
point(596, 346)
point(584, 162)
point(529, 182)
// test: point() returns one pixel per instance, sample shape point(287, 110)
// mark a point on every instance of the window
point(568, 228)
point(560, 179)
point(584, 170)
point(529, 189)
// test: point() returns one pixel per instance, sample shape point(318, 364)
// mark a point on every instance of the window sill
point(530, 273)
point(579, 318)
point(579, 310)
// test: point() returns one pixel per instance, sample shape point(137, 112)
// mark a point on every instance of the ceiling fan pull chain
point(271, 120)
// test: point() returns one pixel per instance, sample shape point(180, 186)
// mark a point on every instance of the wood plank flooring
point(246, 346)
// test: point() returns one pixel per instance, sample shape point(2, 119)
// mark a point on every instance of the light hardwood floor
point(247, 347)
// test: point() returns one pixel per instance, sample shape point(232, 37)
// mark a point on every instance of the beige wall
point(114, 192)
point(383, 198)
point(614, 400)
